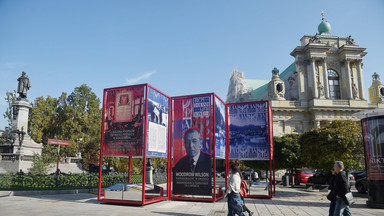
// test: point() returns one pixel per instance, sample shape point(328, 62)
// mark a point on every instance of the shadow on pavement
point(174, 213)
point(87, 197)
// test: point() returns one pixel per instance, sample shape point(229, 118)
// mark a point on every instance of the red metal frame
point(145, 199)
point(150, 199)
point(272, 185)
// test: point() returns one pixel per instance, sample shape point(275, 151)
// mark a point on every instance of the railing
point(294, 103)
point(61, 181)
point(340, 102)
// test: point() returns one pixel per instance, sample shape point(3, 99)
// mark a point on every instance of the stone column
point(314, 87)
point(20, 118)
point(326, 83)
point(299, 68)
point(360, 79)
point(349, 85)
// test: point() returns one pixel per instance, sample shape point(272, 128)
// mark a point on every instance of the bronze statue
point(24, 85)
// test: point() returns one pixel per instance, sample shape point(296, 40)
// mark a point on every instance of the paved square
point(287, 201)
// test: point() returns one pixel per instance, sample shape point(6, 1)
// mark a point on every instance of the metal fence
point(62, 181)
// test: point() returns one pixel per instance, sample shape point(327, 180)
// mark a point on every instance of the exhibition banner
point(374, 147)
point(248, 131)
point(192, 135)
point(220, 128)
point(123, 121)
point(157, 131)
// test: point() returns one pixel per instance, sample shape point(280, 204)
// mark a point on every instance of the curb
point(45, 192)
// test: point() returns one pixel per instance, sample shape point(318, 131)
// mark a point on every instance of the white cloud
point(13, 65)
point(140, 78)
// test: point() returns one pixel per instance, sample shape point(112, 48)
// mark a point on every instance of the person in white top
point(235, 203)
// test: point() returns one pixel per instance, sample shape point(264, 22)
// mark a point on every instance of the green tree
point(76, 118)
point(287, 152)
point(10, 99)
point(341, 140)
point(40, 165)
point(82, 121)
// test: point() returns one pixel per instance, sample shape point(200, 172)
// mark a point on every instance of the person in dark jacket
point(340, 189)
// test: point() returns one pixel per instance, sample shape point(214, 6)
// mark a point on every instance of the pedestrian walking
point(235, 203)
point(340, 189)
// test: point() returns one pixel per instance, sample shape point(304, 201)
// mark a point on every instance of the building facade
point(324, 83)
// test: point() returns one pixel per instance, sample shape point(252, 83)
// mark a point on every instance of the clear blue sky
point(180, 46)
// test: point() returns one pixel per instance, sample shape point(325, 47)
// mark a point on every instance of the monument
point(17, 149)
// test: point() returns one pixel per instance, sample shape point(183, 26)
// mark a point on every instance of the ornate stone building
point(324, 83)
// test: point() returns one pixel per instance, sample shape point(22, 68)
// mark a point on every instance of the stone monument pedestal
point(20, 154)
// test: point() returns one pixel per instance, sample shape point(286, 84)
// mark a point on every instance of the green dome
point(324, 27)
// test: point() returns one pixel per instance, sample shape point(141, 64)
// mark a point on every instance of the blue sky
point(180, 47)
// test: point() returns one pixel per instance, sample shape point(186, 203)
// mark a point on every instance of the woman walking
point(235, 203)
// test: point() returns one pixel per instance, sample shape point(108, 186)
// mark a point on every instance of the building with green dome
point(324, 83)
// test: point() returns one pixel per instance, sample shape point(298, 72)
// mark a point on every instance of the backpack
point(243, 188)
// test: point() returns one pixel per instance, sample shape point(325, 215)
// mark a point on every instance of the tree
point(76, 117)
point(341, 140)
point(40, 165)
point(10, 99)
point(82, 121)
point(287, 152)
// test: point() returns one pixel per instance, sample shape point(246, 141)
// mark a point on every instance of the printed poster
point(248, 131)
point(374, 146)
point(157, 141)
point(220, 128)
point(192, 169)
point(123, 121)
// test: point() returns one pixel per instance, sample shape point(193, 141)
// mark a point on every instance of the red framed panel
point(193, 124)
point(137, 97)
point(271, 185)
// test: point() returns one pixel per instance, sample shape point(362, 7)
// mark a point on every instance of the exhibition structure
point(195, 137)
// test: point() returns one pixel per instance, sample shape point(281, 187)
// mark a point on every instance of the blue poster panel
point(220, 128)
point(157, 128)
point(248, 131)
point(192, 135)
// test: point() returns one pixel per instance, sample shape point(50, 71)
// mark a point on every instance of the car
point(247, 173)
point(362, 185)
point(351, 179)
point(321, 177)
point(302, 175)
point(359, 174)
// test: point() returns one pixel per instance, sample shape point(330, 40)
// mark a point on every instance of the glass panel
point(336, 82)
point(332, 73)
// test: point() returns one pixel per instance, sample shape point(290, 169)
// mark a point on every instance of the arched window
point(334, 84)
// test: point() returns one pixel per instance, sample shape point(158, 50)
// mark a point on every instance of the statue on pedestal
point(24, 85)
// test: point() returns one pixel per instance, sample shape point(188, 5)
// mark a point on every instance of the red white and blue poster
point(123, 121)
point(157, 128)
point(192, 135)
point(220, 128)
point(374, 146)
point(248, 131)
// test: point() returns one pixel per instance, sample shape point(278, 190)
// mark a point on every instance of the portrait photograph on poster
point(192, 166)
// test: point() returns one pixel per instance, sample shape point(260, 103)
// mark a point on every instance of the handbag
point(349, 200)
point(331, 196)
